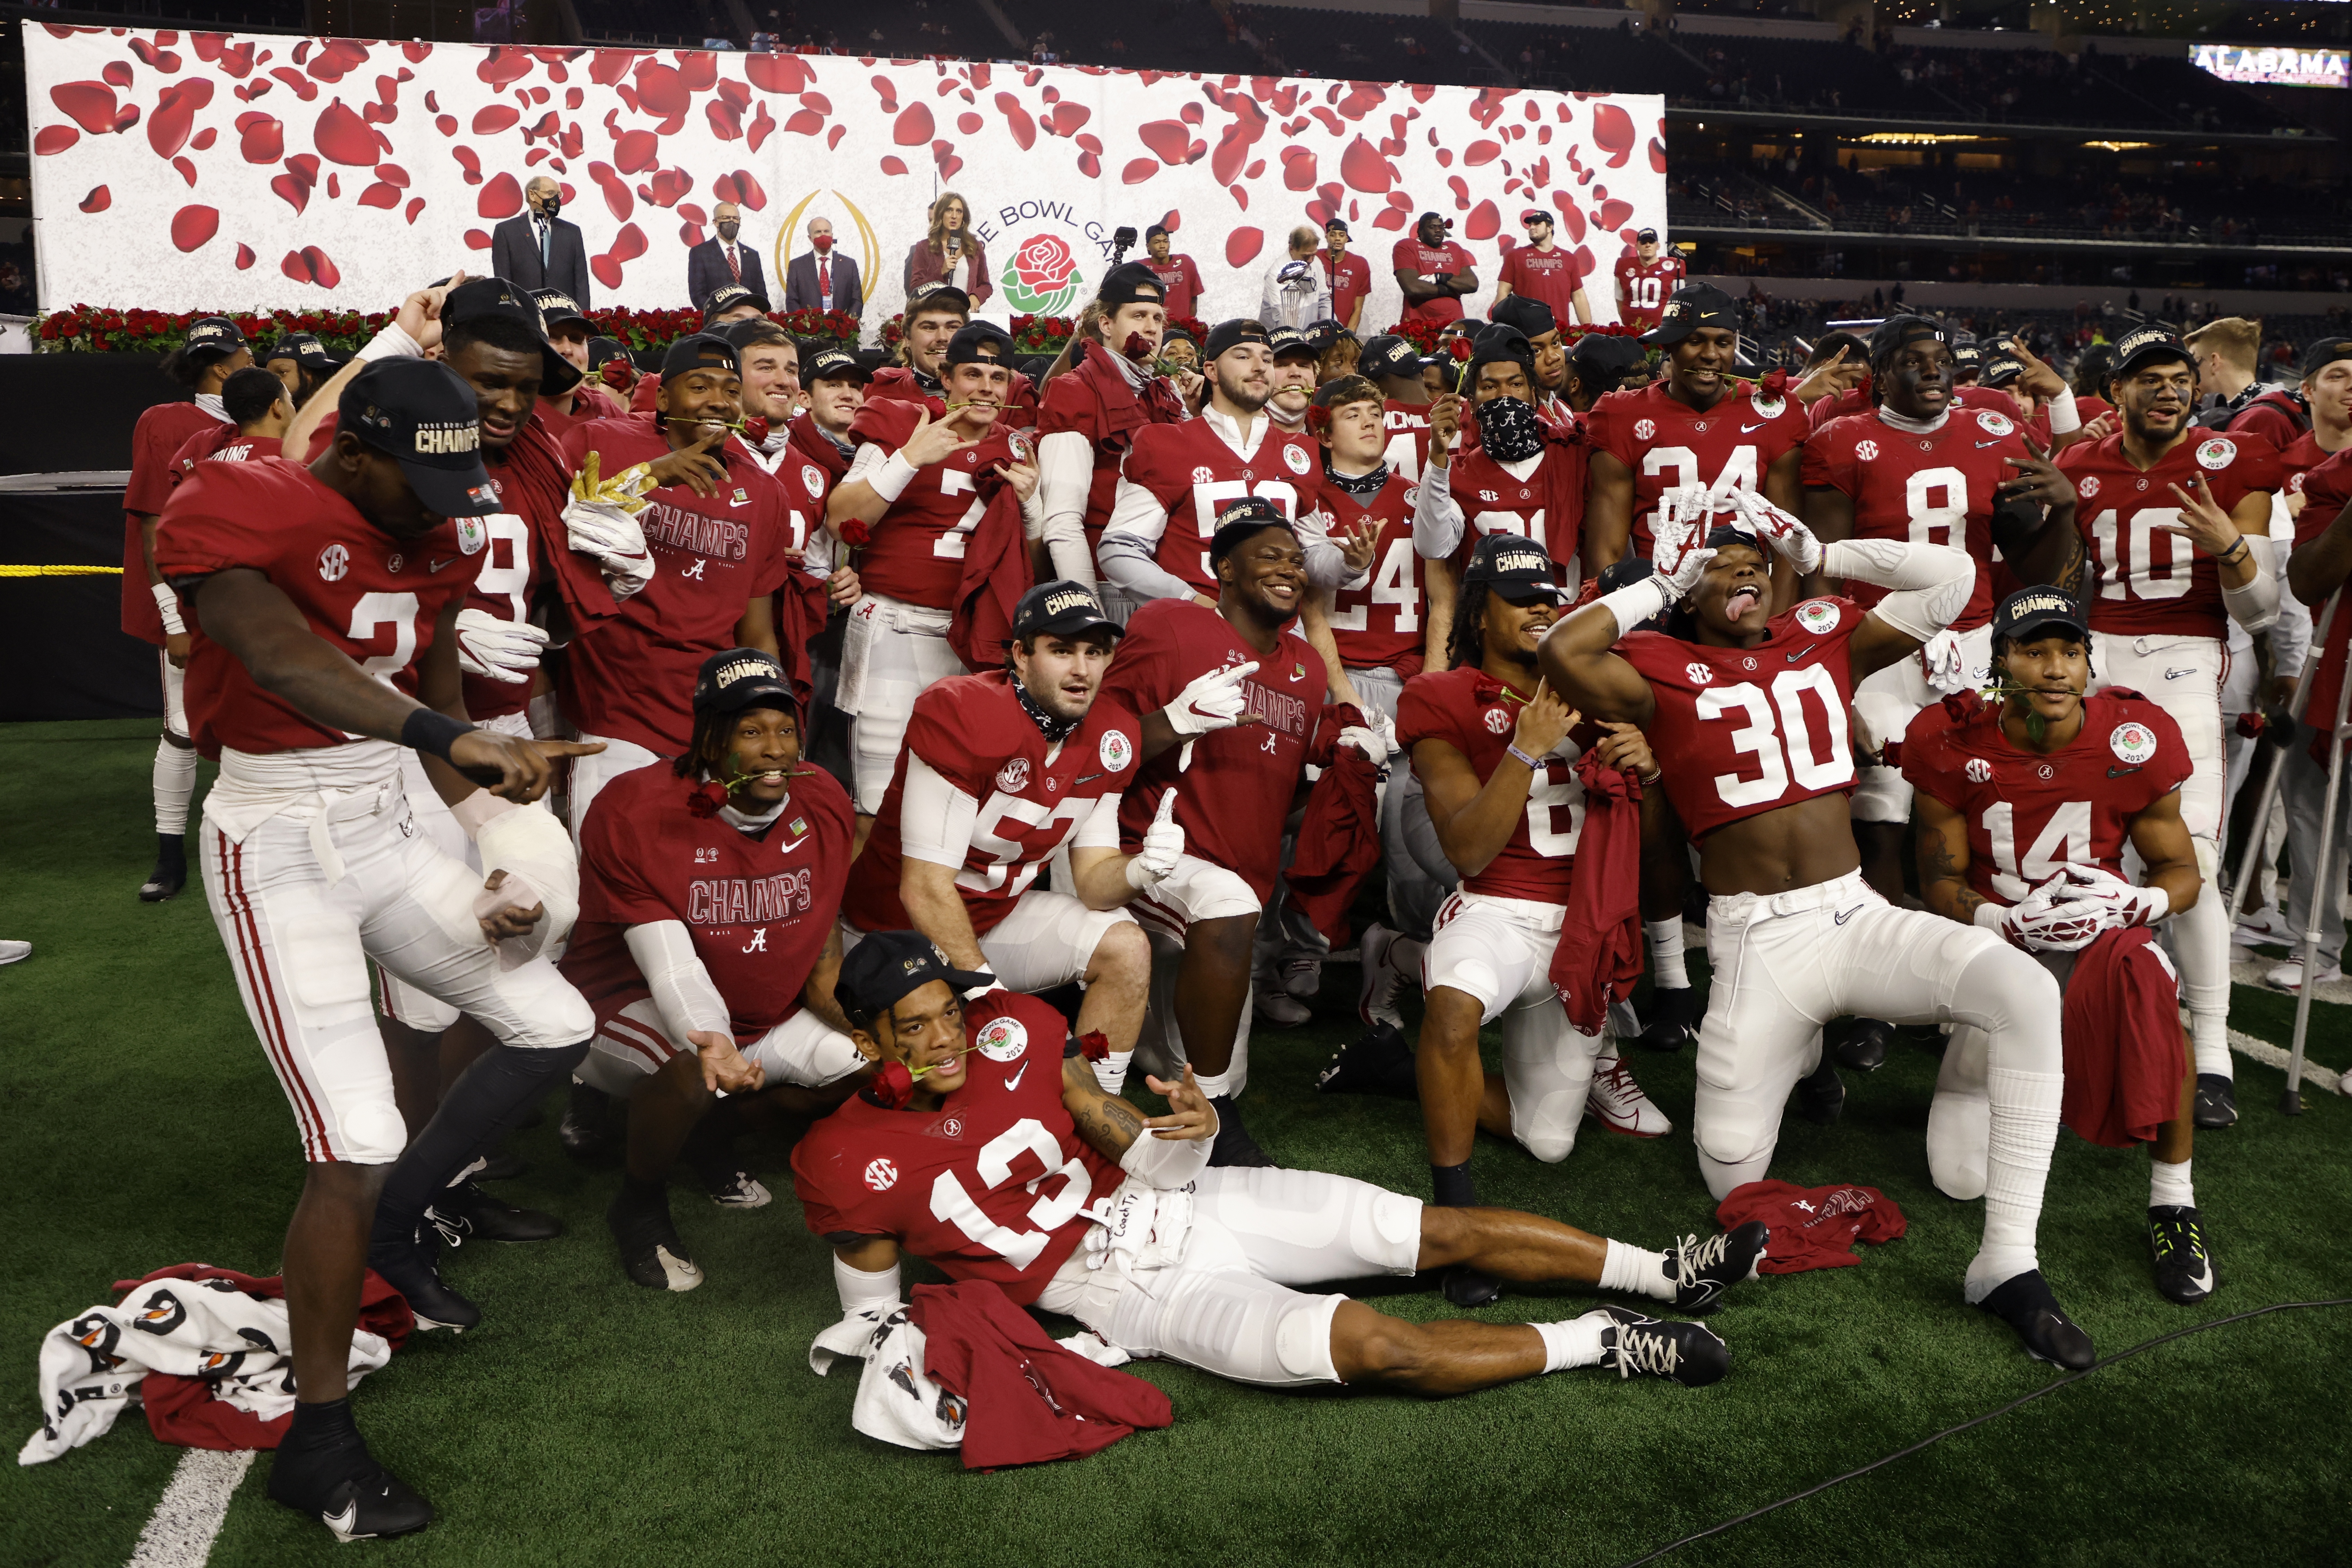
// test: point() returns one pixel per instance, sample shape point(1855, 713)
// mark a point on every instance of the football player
point(321, 597)
point(2318, 568)
point(1434, 269)
point(2025, 804)
point(707, 943)
point(935, 313)
point(1542, 272)
point(1647, 280)
point(2176, 524)
point(1073, 1202)
point(1546, 354)
point(1179, 276)
point(715, 526)
point(1092, 415)
point(212, 350)
point(772, 401)
point(1601, 363)
point(1752, 712)
point(1523, 475)
point(922, 484)
point(1001, 773)
point(1292, 379)
point(259, 412)
point(1393, 364)
point(570, 332)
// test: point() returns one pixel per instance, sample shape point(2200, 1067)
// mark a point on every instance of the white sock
point(2208, 1038)
point(175, 781)
point(1576, 1342)
point(2025, 1128)
point(2170, 1185)
point(1214, 1084)
point(1637, 1272)
point(1667, 954)
point(1111, 1071)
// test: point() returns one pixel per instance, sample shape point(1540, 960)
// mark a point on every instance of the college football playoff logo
point(1004, 1039)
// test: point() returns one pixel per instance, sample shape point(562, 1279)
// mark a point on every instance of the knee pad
point(404, 1004)
point(1547, 1073)
point(1230, 1324)
point(2018, 1006)
point(1733, 1130)
point(540, 1010)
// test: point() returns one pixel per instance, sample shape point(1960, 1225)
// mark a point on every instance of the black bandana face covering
point(1509, 430)
point(1053, 729)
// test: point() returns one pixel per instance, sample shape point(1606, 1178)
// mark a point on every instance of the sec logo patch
point(2132, 742)
point(1013, 776)
point(1644, 428)
point(1817, 617)
point(1864, 451)
point(1203, 476)
point(1115, 749)
point(881, 1175)
point(1977, 771)
point(2087, 486)
point(1004, 1039)
point(1993, 422)
point(334, 561)
point(1699, 674)
point(2217, 454)
point(1498, 720)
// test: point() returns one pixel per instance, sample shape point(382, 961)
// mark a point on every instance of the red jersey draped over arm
point(1936, 488)
point(758, 909)
point(2151, 583)
point(1751, 730)
point(632, 678)
point(1234, 800)
point(991, 1184)
point(1193, 474)
point(1383, 622)
point(918, 550)
point(371, 597)
point(223, 443)
point(1667, 442)
point(972, 731)
point(1476, 715)
point(158, 437)
point(2029, 813)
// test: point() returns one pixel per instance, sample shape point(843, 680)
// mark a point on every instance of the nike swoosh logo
point(1014, 1081)
point(1982, 445)
point(1750, 429)
point(796, 843)
point(2119, 772)
point(1793, 658)
point(2205, 1279)
point(2176, 674)
point(343, 1523)
point(1088, 778)
point(1849, 914)
point(436, 566)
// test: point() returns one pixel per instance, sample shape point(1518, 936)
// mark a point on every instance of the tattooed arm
point(1944, 860)
point(1114, 1127)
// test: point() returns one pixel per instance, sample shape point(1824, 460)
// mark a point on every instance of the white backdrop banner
point(181, 171)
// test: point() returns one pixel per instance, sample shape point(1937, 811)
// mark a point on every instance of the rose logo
point(1042, 278)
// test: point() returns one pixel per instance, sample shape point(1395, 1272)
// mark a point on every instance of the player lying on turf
point(986, 1145)
point(1750, 714)
point(2024, 808)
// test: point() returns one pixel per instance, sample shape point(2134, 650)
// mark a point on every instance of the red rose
point(1094, 1046)
point(892, 1086)
point(755, 430)
point(853, 532)
point(618, 373)
point(705, 799)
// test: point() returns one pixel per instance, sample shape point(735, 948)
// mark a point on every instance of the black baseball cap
point(701, 350)
point(210, 338)
point(1607, 359)
point(1693, 306)
point(834, 364)
point(1645, 236)
point(1389, 354)
point(1156, 230)
point(305, 350)
point(1061, 608)
point(1231, 335)
point(1238, 520)
point(2031, 610)
point(1968, 355)
point(1323, 336)
point(2321, 352)
point(741, 678)
point(556, 306)
point(2001, 368)
point(601, 350)
point(2141, 345)
point(1895, 333)
point(728, 297)
point(1130, 282)
point(979, 342)
point(423, 413)
point(1335, 224)
point(494, 298)
point(938, 295)
point(886, 965)
point(1514, 567)
point(1531, 317)
point(1500, 344)
point(1290, 341)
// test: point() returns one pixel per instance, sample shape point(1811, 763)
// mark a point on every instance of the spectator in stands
point(1179, 274)
point(721, 260)
point(951, 253)
point(1542, 270)
point(1296, 290)
point(1349, 278)
point(817, 280)
point(536, 249)
point(1434, 270)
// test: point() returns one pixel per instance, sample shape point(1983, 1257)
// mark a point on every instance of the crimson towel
point(1599, 951)
point(1030, 1399)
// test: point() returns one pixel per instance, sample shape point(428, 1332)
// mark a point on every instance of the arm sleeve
point(683, 992)
point(1437, 521)
point(2255, 606)
point(2291, 633)
point(871, 455)
point(1066, 472)
point(935, 817)
point(1100, 829)
point(1126, 560)
point(1929, 583)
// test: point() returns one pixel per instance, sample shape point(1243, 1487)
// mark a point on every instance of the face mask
point(822, 243)
point(728, 230)
point(1509, 430)
point(551, 206)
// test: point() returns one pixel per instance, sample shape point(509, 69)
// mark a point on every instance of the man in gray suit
point(539, 249)
point(821, 278)
point(716, 263)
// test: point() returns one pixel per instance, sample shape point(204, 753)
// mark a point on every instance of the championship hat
point(209, 338)
point(886, 965)
point(2143, 344)
point(739, 678)
point(556, 306)
point(938, 295)
point(1532, 317)
point(1389, 354)
point(728, 297)
point(834, 364)
point(1232, 334)
point(1241, 519)
point(1691, 307)
point(2031, 610)
point(979, 342)
point(1513, 568)
point(480, 300)
point(701, 350)
point(422, 412)
point(1061, 608)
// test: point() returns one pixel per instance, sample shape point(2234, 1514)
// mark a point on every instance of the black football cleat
point(171, 872)
point(1467, 1287)
point(1864, 1047)
point(348, 1492)
point(651, 1253)
point(1674, 1019)
point(502, 1168)
point(2217, 1102)
point(2024, 1304)
point(465, 1213)
point(1380, 1061)
point(413, 1269)
point(1235, 1146)
point(585, 1131)
point(1821, 1095)
point(1703, 1270)
point(2184, 1270)
point(1642, 1346)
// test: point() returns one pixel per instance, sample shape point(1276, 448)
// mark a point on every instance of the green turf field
point(590, 1421)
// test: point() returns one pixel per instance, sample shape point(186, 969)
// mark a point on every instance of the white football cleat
point(2288, 976)
point(15, 951)
point(1280, 1008)
point(1618, 1102)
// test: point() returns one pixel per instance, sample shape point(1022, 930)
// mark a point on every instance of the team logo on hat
point(1977, 771)
point(1013, 776)
point(2133, 742)
point(1864, 451)
point(1993, 422)
point(2217, 454)
point(471, 535)
point(1818, 616)
point(334, 561)
point(1295, 459)
point(1004, 1039)
point(881, 1175)
point(1115, 749)
point(2087, 486)
point(1675, 309)
point(433, 440)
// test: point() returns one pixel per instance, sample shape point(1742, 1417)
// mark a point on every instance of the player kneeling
point(706, 940)
point(2024, 808)
point(1013, 1164)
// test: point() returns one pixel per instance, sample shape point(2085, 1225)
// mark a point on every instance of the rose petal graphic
point(636, 151)
point(117, 74)
point(1242, 246)
point(894, 165)
point(1612, 132)
point(175, 113)
point(379, 195)
point(57, 138)
point(193, 226)
point(1483, 222)
point(467, 162)
point(832, 138)
point(476, 239)
point(1065, 118)
point(245, 257)
point(304, 88)
point(629, 244)
point(90, 103)
point(669, 185)
point(98, 201)
point(913, 128)
point(607, 270)
point(344, 136)
point(188, 168)
point(1612, 213)
point(1168, 138)
point(296, 192)
point(662, 90)
point(502, 197)
point(698, 68)
point(778, 73)
point(1025, 129)
point(498, 117)
point(689, 235)
point(416, 206)
point(163, 62)
point(1298, 169)
point(1365, 170)
point(1138, 170)
point(726, 119)
point(618, 200)
point(503, 66)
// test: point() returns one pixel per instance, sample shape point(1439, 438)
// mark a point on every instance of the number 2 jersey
point(1031, 795)
point(991, 1184)
point(2151, 583)
point(1667, 442)
point(1477, 715)
point(2028, 813)
point(1745, 730)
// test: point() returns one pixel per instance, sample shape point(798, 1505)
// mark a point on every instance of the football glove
point(1945, 665)
point(498, 650)
point(1213, 701)
point(1163, 844)
point(1784, 530)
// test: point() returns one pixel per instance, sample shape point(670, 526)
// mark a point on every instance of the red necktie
point(825, 280)
point(733, 265)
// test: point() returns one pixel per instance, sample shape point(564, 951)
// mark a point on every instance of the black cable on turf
point(1980, 1420)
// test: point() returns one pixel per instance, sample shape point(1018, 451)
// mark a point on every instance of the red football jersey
point(1033, 796)
point(533, 484)
point(1385, 622)
point(221, 443)
point(917, 553)
point(2152, 583)
point(1408, 426)
point(2327, 489)
point(1755, 729)
point(155, 441)
point(1477, 715)
point(760, 910)
point(2027, 813)
point(372, 598)
point(1642, 292)
point(1547, 506)
point(1234, 800)
point(1430, 261)
point(1180, 276)
point(1075, 404)
point(1193, 475)
point(1935, 488)
point(1551, 276)
point(1667, 442)
point(2298, 459)
point(991, 1184)
point(632, 678)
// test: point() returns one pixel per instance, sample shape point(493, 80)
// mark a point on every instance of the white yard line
point(2325, 1078)
point(180, 1534)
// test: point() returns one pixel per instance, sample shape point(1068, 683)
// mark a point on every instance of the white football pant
point(1886, 701)
point(890, 652)
point(1500, 950)
point(1197, 889)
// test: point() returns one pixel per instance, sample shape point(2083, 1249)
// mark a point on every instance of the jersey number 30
point(1784, 752)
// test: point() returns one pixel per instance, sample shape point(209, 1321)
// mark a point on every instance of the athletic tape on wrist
point(167, 604)
point(1638, 602)
point(2064, 417)
point(890, 480)
point(432, 733)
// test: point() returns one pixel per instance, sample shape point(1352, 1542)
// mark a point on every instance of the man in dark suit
point(716, 263)
point(539, 250)
point(821, 278)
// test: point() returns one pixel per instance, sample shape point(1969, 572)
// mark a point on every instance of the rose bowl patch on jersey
point(1004, 1039)
point(2217, 454)
point(1114, 749)
point(1295, 459)
point(1993, 422)
point(2133, 742)
point(1817, 616)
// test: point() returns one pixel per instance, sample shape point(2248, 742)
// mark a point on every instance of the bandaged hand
point(1163, 844)
point(498, 650)
point(1784, 529)
point(1213, 701)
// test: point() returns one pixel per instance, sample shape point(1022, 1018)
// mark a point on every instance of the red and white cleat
point(1618, 1102)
